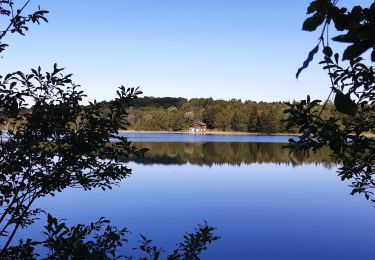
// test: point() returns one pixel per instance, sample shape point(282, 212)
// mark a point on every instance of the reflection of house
point(198, 127)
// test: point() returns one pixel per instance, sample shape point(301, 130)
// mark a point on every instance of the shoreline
point(208, 133)
point(368, 135)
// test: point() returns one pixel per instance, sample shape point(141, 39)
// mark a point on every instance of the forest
point(178, 114)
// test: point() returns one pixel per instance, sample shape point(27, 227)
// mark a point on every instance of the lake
point(264, 204)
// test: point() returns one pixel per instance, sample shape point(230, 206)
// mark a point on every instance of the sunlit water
point(263, 205)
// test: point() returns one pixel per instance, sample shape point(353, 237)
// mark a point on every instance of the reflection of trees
point(227, 153)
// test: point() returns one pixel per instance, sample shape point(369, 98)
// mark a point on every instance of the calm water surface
point(155, 137)
point(265, 205)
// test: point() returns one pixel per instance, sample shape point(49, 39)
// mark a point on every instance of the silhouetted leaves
point(194, 243)
point(18, 23)
point(56, 142)
point(50, 142)
point(328, 51)
point(313, 22)
point(101, 240)
point(344, 104)
point(310, 57)
point(357, 49)
point(358, 25)
point(346, 133)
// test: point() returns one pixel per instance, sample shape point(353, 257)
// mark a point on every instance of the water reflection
point(264, 209)
point(227, 153)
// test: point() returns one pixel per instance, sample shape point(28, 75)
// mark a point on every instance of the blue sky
point(189, 48)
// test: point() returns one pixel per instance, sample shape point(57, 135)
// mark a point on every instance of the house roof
point(199, 123)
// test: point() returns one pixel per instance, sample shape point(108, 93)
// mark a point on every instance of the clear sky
point(222, 49)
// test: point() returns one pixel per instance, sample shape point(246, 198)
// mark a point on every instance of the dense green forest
point(177, 114)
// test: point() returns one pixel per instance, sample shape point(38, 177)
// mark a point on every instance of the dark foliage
point(58, 145)
point(353, 84)
point(18, 23)
point(50, 141)
point(100, 240)
point(194, 243)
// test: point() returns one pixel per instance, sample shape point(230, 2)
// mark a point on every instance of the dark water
point(265, 205)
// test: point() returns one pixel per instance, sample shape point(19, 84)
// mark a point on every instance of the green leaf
point(344, 104)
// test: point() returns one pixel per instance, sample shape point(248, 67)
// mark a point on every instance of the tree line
point(178, 114)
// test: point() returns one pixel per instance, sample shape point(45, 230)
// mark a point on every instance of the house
point(198, 127)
